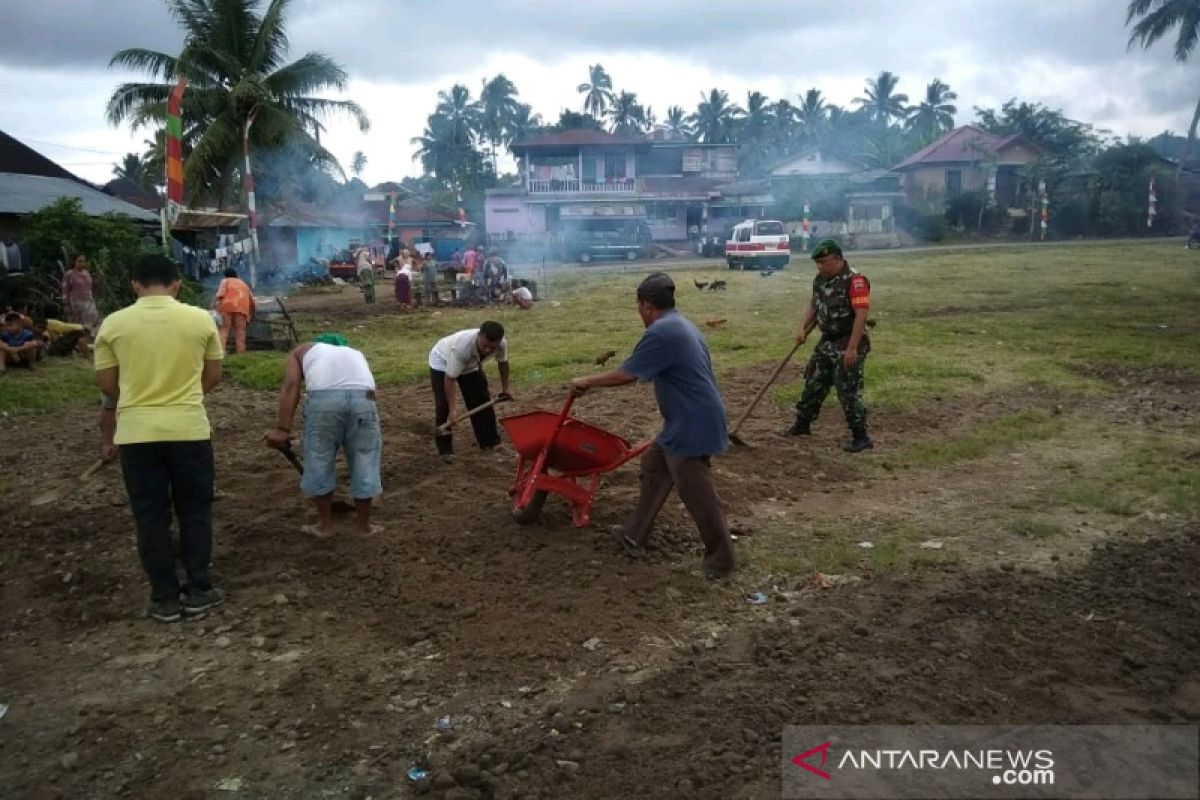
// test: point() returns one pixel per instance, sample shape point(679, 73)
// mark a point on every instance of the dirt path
point(325, 674)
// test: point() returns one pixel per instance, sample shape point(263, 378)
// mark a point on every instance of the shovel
point(733, 434)
point(51, 495)
point(294, 460)
point(444, 428)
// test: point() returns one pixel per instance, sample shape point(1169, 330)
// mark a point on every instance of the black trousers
point(161, 477)
point(474, 389)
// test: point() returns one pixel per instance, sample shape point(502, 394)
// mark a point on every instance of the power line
point(69, 147)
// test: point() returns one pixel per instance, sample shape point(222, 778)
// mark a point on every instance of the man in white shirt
point(456, 363)
point(339, 412)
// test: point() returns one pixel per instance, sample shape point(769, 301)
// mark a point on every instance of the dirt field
point(979, 601)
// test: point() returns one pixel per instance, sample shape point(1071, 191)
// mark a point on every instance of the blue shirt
point(24, 337)
point(672, 353)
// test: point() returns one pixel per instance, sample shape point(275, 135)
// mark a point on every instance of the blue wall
point(320, 242)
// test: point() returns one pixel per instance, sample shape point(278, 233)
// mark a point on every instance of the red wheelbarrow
point(577, 453)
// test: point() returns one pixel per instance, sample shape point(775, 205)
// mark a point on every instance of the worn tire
point(532, 512)
point(585, 258)
point(631, 255)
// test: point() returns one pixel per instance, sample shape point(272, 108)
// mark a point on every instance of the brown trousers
point(692, 478)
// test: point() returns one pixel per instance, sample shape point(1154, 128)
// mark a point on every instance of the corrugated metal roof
point(967, 144)
point(24, 194)
point(577, 138)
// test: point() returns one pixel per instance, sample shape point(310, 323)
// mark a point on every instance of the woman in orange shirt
point(235, 303)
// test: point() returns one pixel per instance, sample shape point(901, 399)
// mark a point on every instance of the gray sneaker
point(197, 602)
point(165, 610)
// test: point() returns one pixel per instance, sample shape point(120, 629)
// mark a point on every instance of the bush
point(932, 227)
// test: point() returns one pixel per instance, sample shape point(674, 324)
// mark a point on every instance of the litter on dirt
point(932, 544)
point(591, 644)
point(230, 785)
point(416, 774)
point(865, 546)
point(756, 599)
point(443, 724)
point(3, 710)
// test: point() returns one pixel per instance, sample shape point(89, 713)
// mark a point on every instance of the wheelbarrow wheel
point(532, 512)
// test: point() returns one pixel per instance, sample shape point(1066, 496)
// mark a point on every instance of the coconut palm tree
point(497, 105)
point(677, 122)
point(358, 163)
point(813, 115)
point(626, 114)
point(716, 119)
point(935, 114)
point(460, 111)
point(133, 168)
point(233, 57)
point(881, 101)
point(597, 92)
point(523, 124)
point(1156, 19)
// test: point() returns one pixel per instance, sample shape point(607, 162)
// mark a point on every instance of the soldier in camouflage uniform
point(841, 301)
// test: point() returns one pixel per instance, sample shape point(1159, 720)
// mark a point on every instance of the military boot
point(801, 427)
point(859, 441)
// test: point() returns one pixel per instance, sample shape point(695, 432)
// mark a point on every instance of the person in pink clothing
point(235, 303)
point(77, 296)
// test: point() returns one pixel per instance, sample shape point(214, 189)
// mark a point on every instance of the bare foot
point(371, 530)
point(315, 530)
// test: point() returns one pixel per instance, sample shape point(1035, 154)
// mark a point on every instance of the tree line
point(234, 56)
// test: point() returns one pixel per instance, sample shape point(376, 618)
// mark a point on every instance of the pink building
point(583, 180)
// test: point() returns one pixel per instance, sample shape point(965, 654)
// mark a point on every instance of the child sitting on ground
point(18, 343)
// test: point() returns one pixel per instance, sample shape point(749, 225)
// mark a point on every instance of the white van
point(758, 244)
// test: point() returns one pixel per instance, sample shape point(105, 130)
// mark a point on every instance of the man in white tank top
point(339, 412)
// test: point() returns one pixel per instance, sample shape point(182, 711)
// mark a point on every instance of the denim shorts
point(346, 419)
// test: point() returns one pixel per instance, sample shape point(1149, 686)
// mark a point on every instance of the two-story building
point(594, 181)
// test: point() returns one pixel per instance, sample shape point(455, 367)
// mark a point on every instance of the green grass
point(996, 435)
point(1158, 472)
point(1051, 319)
point(57, 382)
point(1031, 527)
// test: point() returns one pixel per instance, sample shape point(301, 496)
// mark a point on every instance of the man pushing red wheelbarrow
point(673, 355)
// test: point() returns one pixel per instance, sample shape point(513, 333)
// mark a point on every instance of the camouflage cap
point(826, 247)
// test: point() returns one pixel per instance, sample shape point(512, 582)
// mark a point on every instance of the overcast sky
point(1069, 54)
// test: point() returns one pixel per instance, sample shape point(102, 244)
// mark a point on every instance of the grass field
point(970, 321)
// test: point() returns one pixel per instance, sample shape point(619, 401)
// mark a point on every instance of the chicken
point(766, 274)
point(603, 357)
point(715, 323)
point(700, 284)
point(716, 285)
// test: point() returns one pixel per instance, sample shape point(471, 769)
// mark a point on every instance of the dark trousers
point(159, 477)
point(692, 478)
point(474, 389)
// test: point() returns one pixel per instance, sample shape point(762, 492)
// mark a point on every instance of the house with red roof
point(660, 188)
point(969, 159)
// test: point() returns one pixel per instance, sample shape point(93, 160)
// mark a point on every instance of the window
point(953, 181)
point(768, 229)
point(614, 167)
point(506, 210)
point(743, 234)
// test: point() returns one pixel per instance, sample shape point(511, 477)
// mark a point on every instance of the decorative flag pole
point(391, 218)
point(174, 142)
point(805, 227)
point(1045, 206)
point(250, 199)
point(1151, 210)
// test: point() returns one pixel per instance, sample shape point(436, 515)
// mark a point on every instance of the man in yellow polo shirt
point(156, 360)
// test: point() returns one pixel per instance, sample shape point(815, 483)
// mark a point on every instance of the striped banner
point(391, 216)
point(175, 150)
